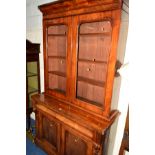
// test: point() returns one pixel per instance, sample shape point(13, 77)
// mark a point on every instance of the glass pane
point(32, 79)
point(93, 53)
point(57, 45)
point(31, 68)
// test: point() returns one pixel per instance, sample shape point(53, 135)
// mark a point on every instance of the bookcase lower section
point(65, 137)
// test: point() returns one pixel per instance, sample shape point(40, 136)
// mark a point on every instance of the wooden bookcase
point(80, 37)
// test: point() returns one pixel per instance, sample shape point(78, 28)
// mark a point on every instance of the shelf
point(58, 73)
point(89, 101)
point(29, 74)
point(95, 34)
point(57, 35)
point(32, 90)
point(92, 61)
point(59, 90)
point(57, 57)
point(90, 81)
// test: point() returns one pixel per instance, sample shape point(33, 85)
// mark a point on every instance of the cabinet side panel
point(112, 61)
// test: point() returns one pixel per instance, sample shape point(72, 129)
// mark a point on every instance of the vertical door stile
point(69, 58)
point(74, 50)
point(45, 56)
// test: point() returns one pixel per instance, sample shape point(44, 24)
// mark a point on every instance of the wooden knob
point(93, 59)
point(61, 62)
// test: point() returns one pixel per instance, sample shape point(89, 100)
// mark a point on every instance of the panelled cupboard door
point(73, 143)
point(94, 60)
point(57, 56)
point(50, 134)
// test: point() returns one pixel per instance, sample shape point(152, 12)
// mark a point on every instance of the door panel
point(75, 143)
point(51, 133)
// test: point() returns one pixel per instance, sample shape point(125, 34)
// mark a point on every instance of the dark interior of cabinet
point(57, 44)
point(93, 53)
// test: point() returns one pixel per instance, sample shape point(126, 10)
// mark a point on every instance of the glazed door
point(73, 143)
point(57, 57)
point(94, 61)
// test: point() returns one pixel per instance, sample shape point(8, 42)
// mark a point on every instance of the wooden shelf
point(32, 90)
point(95, 34)
point(89, 101)
point(57, 57)
point(57, 73)
point(30, 74)
point(57, 35)
point(58, 90)
point(91, 81)
point(92, 61)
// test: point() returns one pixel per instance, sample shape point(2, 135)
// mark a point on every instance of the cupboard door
point(51, 134)
point(94, 47)
point(57, 57)
point(57, 43)
point(74, 143)
point(94, 52)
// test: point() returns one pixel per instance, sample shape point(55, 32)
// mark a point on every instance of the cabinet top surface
point(74, 113)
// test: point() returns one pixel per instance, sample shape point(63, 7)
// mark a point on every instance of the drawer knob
point(51, 125)
point(61, 62)
point(94, 60)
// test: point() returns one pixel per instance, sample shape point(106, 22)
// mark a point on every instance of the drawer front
point(96, 27)
point(92, 71)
